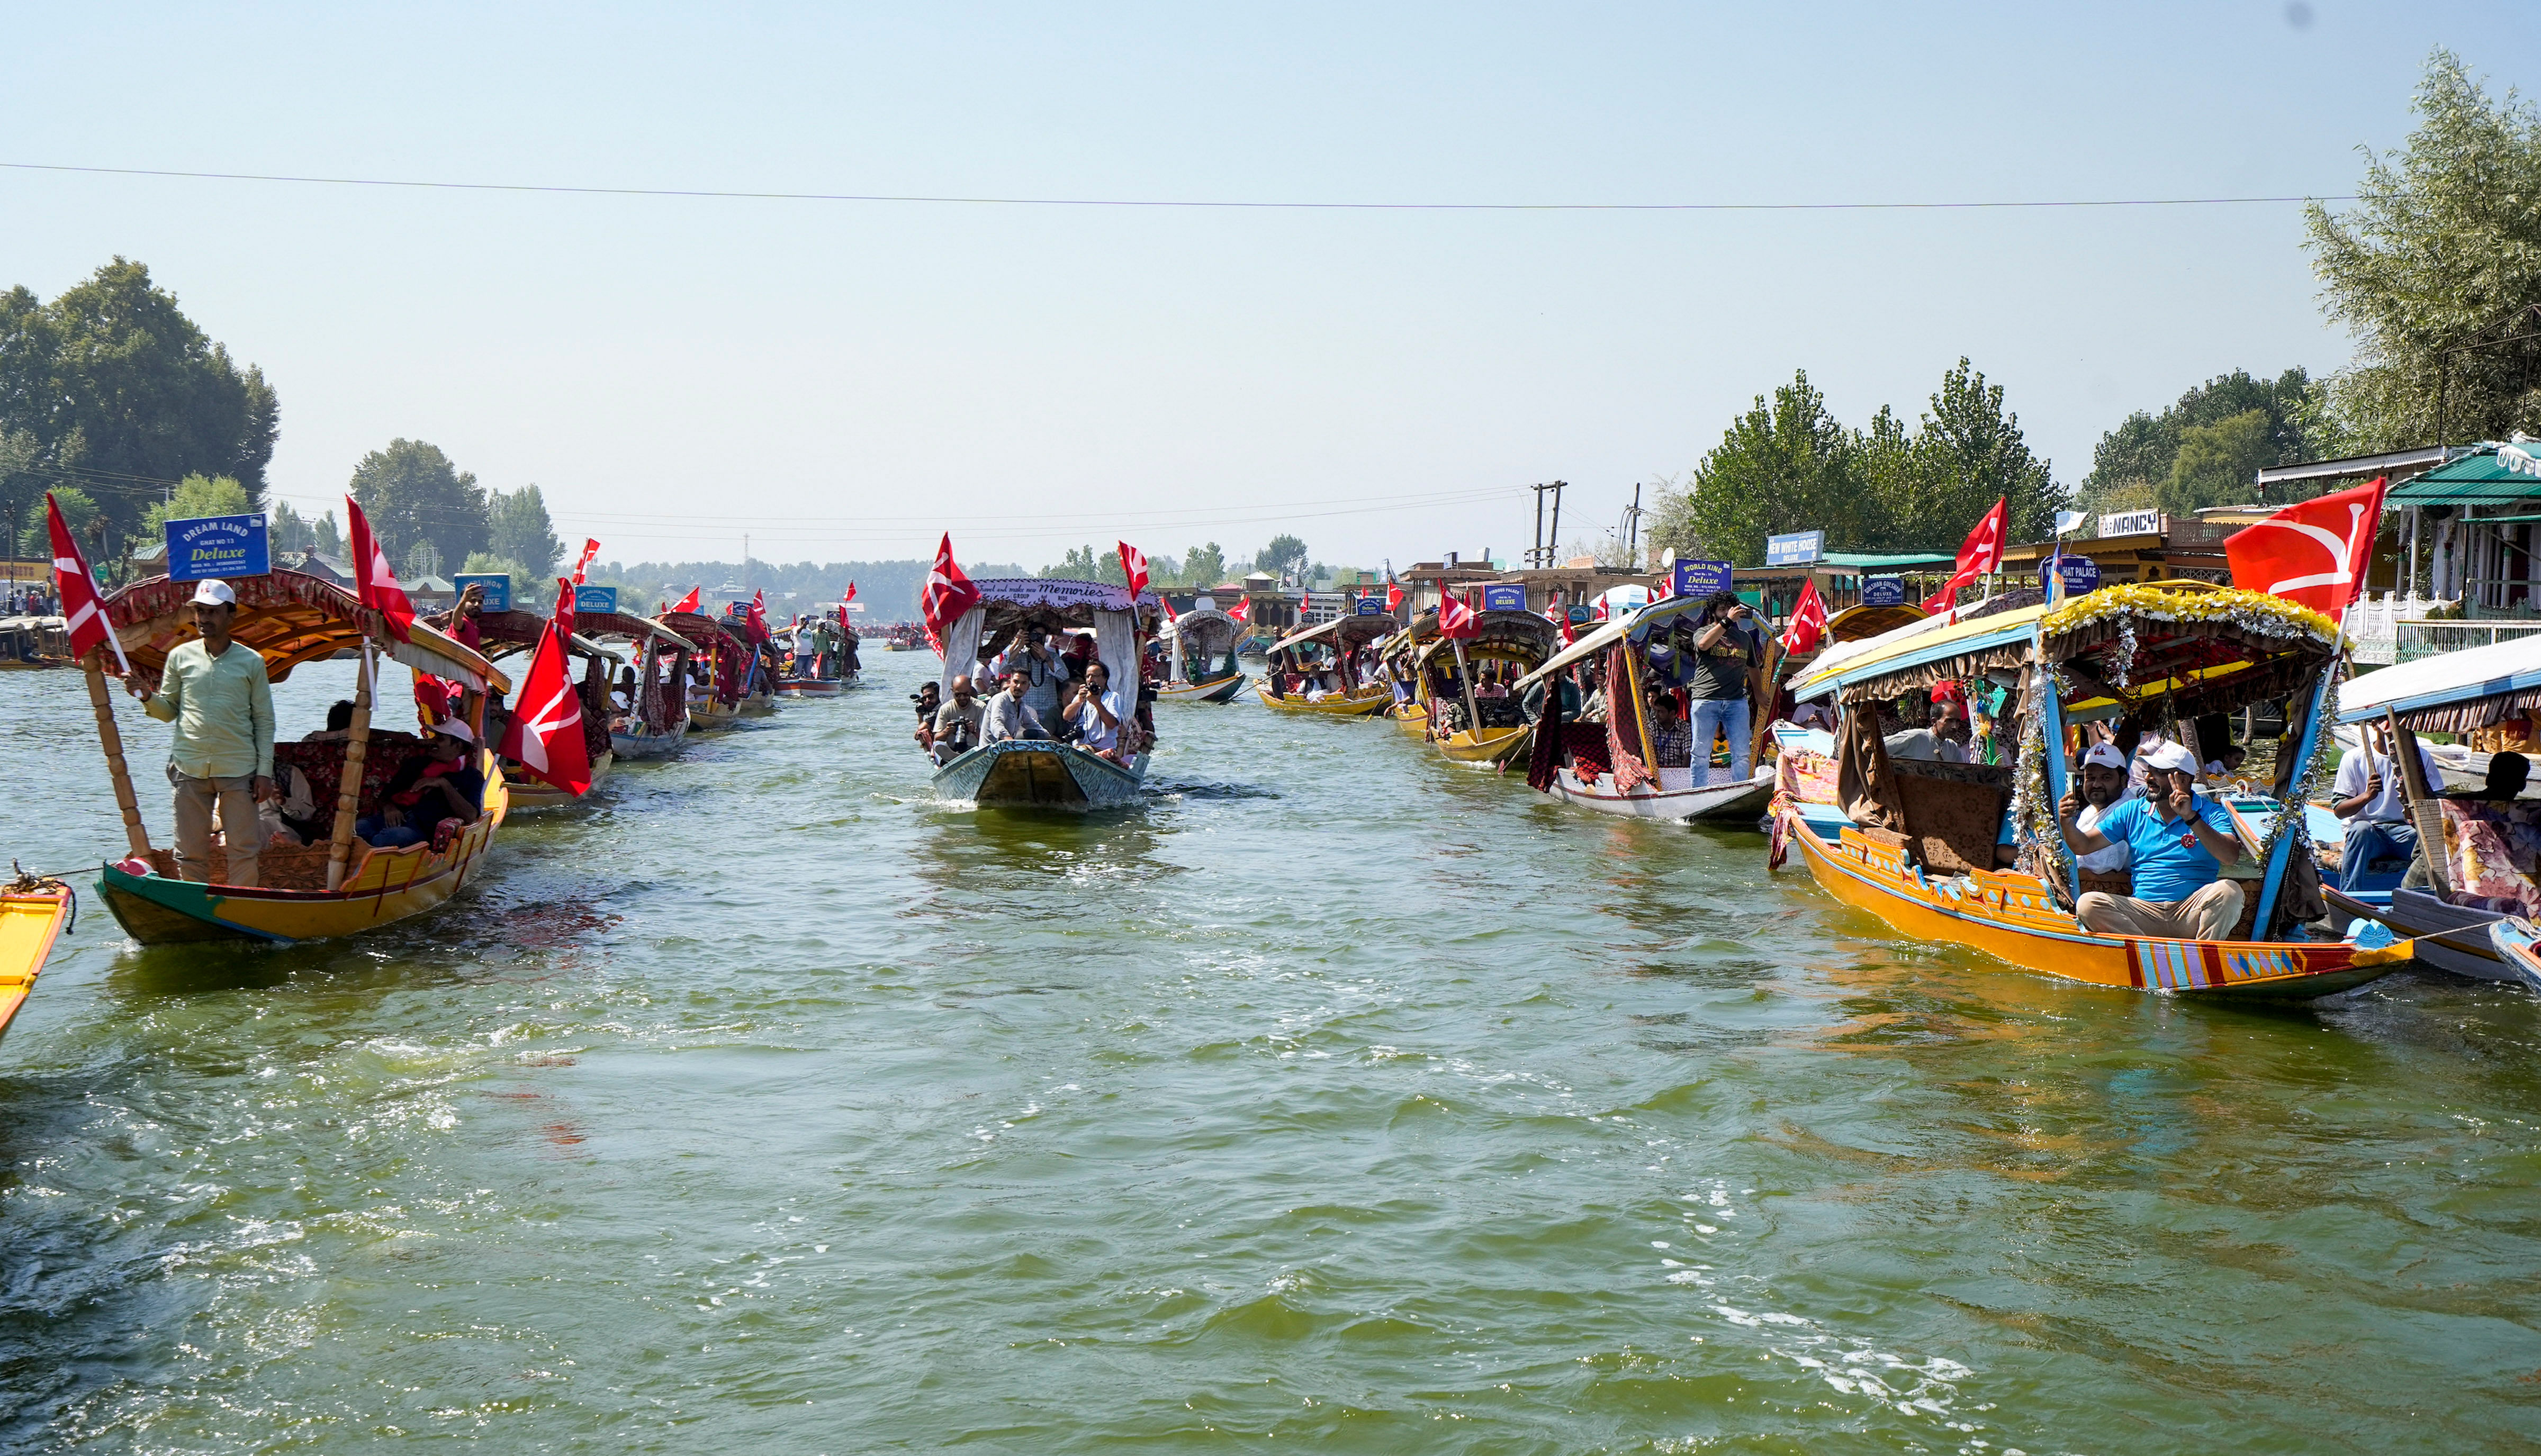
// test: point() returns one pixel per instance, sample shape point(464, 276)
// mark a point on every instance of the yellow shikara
point(1335, 647)
point(32, 912)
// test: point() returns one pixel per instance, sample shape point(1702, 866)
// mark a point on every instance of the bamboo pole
point(348, 789)
point(1761, 690)
point(1464, 679)
point(110, 738)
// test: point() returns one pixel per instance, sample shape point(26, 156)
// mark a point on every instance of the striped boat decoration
point(2253, 963)
point(2174, 965)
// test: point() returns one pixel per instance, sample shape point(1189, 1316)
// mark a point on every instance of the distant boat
point(1592, 763)
point(656, 722)
point(1200, 650)
point(1333, 648)
point(503, 633)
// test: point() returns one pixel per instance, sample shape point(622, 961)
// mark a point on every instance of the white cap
point(455, 728)
point(214, 593)
point(2172, 756)
point(2106, 755)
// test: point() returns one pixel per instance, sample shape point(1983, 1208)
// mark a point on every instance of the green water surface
point(1338, 1096)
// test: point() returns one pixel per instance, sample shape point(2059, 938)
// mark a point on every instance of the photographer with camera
point(1727, 647)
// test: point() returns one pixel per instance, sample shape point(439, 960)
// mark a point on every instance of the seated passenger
point(957, 726)
point(2104, 785)
point(339, 723)
point(1006, 717)
point(2227, 762)
point(2179, 844)
point(1098, 713)
point(2367, 794)
point(1671, 737)
point(928, 699)
point(2508, 773)
point(1945, 741)
point(442, 782)
point(1532, 706)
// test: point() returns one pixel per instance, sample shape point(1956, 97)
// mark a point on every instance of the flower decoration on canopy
point(2253, 611)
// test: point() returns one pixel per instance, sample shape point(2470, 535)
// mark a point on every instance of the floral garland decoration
point(2291, 815)
point(2262, 612)
point(2032, 812)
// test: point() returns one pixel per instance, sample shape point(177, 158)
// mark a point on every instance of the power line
point(1199, 203)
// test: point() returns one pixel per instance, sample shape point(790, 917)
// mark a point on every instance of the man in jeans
point(215, 691)
point(1726, 647)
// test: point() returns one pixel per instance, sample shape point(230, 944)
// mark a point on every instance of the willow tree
point(2437, 270)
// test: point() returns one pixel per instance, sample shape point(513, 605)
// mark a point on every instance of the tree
point(1781, 467)
point(1204, 566)
point(1969, 452)
point(1284, 555)
point(2437, 269)
point(412, 495)
point(1084, 563)
point(19, 484)
point(526, 584)
point(195, 496)
point(518, 529)
point(326, 540)
point(2134, 461)
point(121, 388)
point(2218, 463)
point(35, 537)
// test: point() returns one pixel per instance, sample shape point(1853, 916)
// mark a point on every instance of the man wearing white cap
point(2105, 786)
point(215, 691)
point(2178, 844)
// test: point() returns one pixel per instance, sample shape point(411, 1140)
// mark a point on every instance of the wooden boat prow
point(1043, 774)
point(1036, 773)
point(33, 914)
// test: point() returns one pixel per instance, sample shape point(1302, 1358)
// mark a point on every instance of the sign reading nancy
point(497, 585)
point(210, 546)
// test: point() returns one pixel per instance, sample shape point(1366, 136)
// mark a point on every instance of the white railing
point(2391, 627)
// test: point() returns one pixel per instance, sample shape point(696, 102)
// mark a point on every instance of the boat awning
point(626, 626)
point(287, 618)
point(1819, 677)
point(2451, 691)
point(1615, 631)
point(1348, 630)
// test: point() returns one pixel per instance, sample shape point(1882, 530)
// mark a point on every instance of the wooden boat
point(317, 891)
point(832, 665)
point(33, 645)
point(2517, 942)
point(33, 913)
point(2459, 693)
point(1199, 648)
point(656, 722)
point(500, 635)
point(1608, 767)
point(1518, 642)
point(1335, 646)
point(1038, 774)
point(726, 664)
point(1916, 843)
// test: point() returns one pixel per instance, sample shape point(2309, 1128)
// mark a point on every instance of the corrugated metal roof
point(2498, 472)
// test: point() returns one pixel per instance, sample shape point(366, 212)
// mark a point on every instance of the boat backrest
point(323, 764)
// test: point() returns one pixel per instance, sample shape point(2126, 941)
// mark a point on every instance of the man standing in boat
point(1727, 647)
point(2179, 844)
point(1042, 667)
point(214, 688)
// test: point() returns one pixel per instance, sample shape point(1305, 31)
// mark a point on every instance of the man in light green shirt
point(215, 691)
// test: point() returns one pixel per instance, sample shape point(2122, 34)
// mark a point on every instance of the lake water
point(1338, 1096)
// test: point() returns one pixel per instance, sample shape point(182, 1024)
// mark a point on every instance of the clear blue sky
point(845, 380)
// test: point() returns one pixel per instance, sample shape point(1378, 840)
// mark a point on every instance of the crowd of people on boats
point(1036, 690)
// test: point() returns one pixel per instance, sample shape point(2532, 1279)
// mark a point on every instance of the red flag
point(374, 579)
point(1169, 614)
point(1667, 585)
point(948, 594)
point(757, 616)
point(589, 549)
point(78, 590)
point(850, 596)
point(1980, 554)
point(688, 602)
point(1133, 565)
point(1808, 621)
point(2314, 553)
point(1455, 618)
point(1393, 596)
point(1243, 611)
point(1598, 611)
point(545, 736)
point(564, 606)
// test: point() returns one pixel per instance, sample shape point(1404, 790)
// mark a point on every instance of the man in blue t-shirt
point(2178, 844)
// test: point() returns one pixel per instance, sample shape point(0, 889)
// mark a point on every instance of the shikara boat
point(2518, 945)
point(1922, 844)
point(318, 891)
point(1038, 773)
point(726, 664)
point(1612, 766)
point(501, 634)
point(656, 721)
point(823, 662)
point(1332, 647)
point(1200, 652)
point(32, 912)
point(2475, 689)
point(1515, 643)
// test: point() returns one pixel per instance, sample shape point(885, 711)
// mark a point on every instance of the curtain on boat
point(1864, 784)
point(961, 649)
point(1115, 641)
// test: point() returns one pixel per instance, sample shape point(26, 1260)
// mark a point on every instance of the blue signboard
point(2081, 574)
point(1797, 550)
point(497, 585)
point(1883, 591)
point(1504, 596)
point(1701, 578)
point(1581, 616)
point(595, 599)
point(1369, 607)
point(208, 546)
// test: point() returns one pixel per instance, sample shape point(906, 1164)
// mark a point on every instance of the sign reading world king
point(209, 546)
point(1701, 578)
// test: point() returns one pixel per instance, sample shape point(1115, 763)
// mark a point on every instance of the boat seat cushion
point(323, 764)
point(1585, 746)
point(1954, 825)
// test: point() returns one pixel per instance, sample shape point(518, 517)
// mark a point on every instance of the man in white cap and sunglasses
point(215, 691)
point(2104, 787)
point(2178, 844)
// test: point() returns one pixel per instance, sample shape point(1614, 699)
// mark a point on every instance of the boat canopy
point(1854, 624)
point(506, 633)
point(1347, 632)
point(1504, 630)
point(288, 617)
point(1636, 624)
point(626, 626)
point(698, 628)
point(1009, 604)
point(2453, 692)
point(2205, 649)
point(1204, 630)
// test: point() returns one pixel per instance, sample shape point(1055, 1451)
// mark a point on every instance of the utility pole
point(1633, 528)
point(1552, 548)
point(1535, 556)
point(1547, 551)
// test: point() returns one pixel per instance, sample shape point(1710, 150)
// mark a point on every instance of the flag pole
point(110, 739)
point(348, 789)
